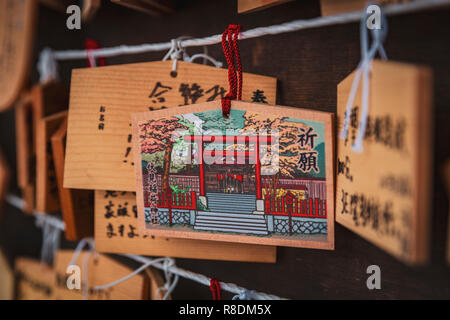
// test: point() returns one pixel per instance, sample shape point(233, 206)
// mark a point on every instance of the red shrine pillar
point(199, 140)
point(202, 168)
point(258, 171)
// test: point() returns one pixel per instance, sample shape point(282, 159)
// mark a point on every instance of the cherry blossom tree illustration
point(160, 136)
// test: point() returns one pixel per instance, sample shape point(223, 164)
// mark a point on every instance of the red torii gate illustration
point(200, 140)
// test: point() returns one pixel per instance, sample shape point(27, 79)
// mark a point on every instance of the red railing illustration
point(292, 206)
point(174, 200)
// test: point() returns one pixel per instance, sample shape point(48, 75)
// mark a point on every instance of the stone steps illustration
point(231, 222)
point(231, 202)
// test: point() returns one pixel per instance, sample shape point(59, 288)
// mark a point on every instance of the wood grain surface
point(77, 206)
point(17, 27)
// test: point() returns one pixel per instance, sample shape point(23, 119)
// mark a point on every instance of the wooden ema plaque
point(47, 99)
point(262, 176)
point(116, 231)
point(32, 142)
point(47, 199)
point(99, 148)
point(77, 206)
point(383, 193)
point(25, 158)
point(34, 280)
point(6, 278)
point(17, 23)
point(102, 270)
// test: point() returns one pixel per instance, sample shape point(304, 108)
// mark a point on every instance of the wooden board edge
point(24, 69)
point(42, 166)
point(424, 137)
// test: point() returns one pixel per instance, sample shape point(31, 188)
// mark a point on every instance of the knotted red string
point(89, 45)
point(231, 50)
point(214, 285)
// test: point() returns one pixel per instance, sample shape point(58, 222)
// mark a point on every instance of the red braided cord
point(214, 285)
point(238, 62)
point(231, 50)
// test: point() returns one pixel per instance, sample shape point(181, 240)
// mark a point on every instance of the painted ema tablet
point(264, 175)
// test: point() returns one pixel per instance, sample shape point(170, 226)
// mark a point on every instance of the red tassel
point(231, 51)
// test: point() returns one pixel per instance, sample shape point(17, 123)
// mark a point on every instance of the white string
point(364, 67)
point(47, 66)
point(216, 63)
point(19, 203)
point(178, 52)
point(295, 25)
point(91, 58)
point(168, 286)
point(245, 295)
point(202, 279)
point(172, 268)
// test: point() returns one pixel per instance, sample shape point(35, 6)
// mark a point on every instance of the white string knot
point(47, 66)
point(245, 295)
point(217, 64)
point(364, 67)
point(171, 279)
point(51, 232)
point(178, 52)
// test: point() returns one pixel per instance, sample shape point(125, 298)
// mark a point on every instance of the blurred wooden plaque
point(34, 280)
point(156, 282)
point(102, 270)
point(17, 23)
point(116, 231)
point(41, 101)
point(383, 193)
point(47, 198)
point(77, 206)
point(25, 159)
point(99, 147)
point(6, 278)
